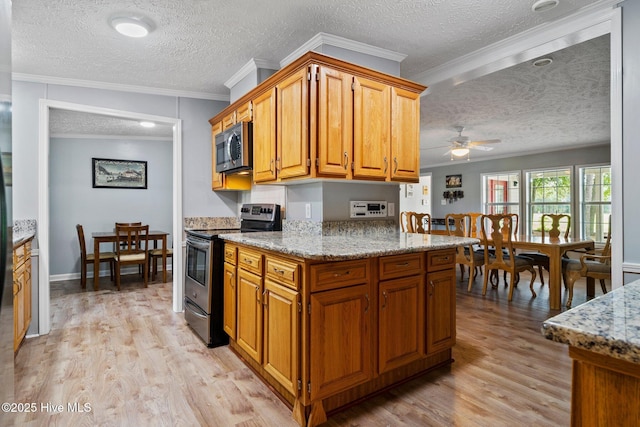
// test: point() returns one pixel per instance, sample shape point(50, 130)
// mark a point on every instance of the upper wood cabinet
point(264, 137)
point(320, 117)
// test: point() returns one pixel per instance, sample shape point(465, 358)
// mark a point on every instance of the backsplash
point(332, 228)
point(203, 222)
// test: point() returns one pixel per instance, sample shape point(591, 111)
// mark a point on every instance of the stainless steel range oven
point(203, 272)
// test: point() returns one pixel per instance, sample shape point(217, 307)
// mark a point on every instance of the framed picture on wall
point(454, 181)
point(111, 173)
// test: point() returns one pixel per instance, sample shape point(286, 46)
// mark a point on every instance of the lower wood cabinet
point(21, 292)
point(230, 301)
point(249, 316)
point(281, 334)
point(441, 302)
point(340, 345)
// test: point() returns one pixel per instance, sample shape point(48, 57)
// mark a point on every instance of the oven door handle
point(204, 245)
point(197, 311)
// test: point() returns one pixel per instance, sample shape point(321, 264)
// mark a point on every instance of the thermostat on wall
point(368, 209)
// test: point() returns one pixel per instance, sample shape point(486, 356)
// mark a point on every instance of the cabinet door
point(335, 120)
point(281, 335)
point(243, 112)
point(441, 310)
point(249, 319)
point(18, 307)
point(400, 322)
point(293, 125)
point(405, 135)
point(229, 316)
point(264, 137)
point(371, 129)
point(340, 348)
point(228, 121)
point(217, 179)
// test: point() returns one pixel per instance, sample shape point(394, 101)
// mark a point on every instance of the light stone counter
point(344, 247)
point(609, 325)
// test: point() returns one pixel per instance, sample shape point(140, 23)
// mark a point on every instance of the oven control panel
point(368, 209)
point(260, 211)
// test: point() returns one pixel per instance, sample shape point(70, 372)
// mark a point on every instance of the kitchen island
point(604, 343)
point(327, 321)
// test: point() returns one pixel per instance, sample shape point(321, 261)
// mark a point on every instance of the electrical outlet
point(391, 209)
point(307, 210)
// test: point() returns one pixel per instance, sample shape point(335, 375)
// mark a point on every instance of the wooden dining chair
point(405, 221)
point(497, 231)
point(560, 225)
point(134, 251)
point(420, 222)
point(460, 225)
point(88, 259)
point(594, 266)
point(154, 256)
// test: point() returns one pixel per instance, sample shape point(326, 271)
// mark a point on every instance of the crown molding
point(341, 42)
point(589, 22)
point(246, 69)
point(34, 78)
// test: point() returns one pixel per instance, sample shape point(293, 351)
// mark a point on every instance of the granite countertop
point(344, 247)
point(609, 324)
point(22, 236)
point(23, 230)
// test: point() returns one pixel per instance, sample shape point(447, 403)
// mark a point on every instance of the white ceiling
point(197, 45)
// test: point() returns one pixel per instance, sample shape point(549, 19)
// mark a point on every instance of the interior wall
point(417, 197)
point(73, 200)
point(471, 174)
point(337, 195)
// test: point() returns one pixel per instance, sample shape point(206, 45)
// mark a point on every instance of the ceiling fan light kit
point(459, 152)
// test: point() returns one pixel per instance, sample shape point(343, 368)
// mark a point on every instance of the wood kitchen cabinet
point(401, 307)
point(21, 292)
point(441, 301)
point(229, 292)
point(320, 117)
point(264, 137)
point(324, 334)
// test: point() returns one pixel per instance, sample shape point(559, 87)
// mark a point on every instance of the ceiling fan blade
point(481, 147)
point(486, 141)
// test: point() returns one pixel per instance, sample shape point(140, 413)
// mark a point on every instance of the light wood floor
point(136, 363)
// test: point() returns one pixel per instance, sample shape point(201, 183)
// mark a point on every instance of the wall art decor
point(111, 173)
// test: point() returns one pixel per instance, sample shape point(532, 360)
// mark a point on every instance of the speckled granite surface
point(342, 247)
point(203, 222)
point(330, 228)
point(23, 229)
point(609, 324)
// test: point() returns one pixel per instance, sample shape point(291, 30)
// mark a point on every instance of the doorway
point(44, 197)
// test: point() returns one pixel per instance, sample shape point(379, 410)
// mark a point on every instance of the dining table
point(555, 248)
point(100, 237)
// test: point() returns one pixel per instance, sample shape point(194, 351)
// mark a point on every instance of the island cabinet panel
point(249, 317)
point(339, 274)
point(340, 344)
point(441, 301)
point(281, 335)
point(264, 136)
point(334, 123)
point(405, 135)
point(229, 296)
point(292, 126)
point(371, 129)
point(400, 322)
point(21, 292)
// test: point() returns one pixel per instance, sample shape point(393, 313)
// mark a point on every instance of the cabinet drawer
point(230, 253)
point(283, 271)
point(339, 274)
point(401, 265)
point(250, 260)
point(21, 253)
point(441, 260)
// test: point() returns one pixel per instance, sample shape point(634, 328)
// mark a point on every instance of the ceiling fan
point(461, 144)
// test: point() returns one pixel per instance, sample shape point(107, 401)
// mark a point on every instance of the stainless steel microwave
point(234, 148)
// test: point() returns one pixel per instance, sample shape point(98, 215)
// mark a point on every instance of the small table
point(111, 237)
point(554, 248)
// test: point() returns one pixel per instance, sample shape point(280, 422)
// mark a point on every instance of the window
point(595, 202)
point(501, 193)
point(549, 192)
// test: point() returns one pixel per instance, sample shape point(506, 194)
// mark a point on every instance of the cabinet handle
point(386, 164)
point(395, 162)
point(366, 296)
point(278, 161)
point(403, 264)
point(248, 261)
point(384, 295)
point(258, 294)
point(271, 167)
point(346, 273)
point(265, 298)
point(232, 281)
point(280, 272)
point(433, 285)
point(346, 160)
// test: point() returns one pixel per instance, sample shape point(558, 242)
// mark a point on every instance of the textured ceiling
point(197, 45)
point(66, 123)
